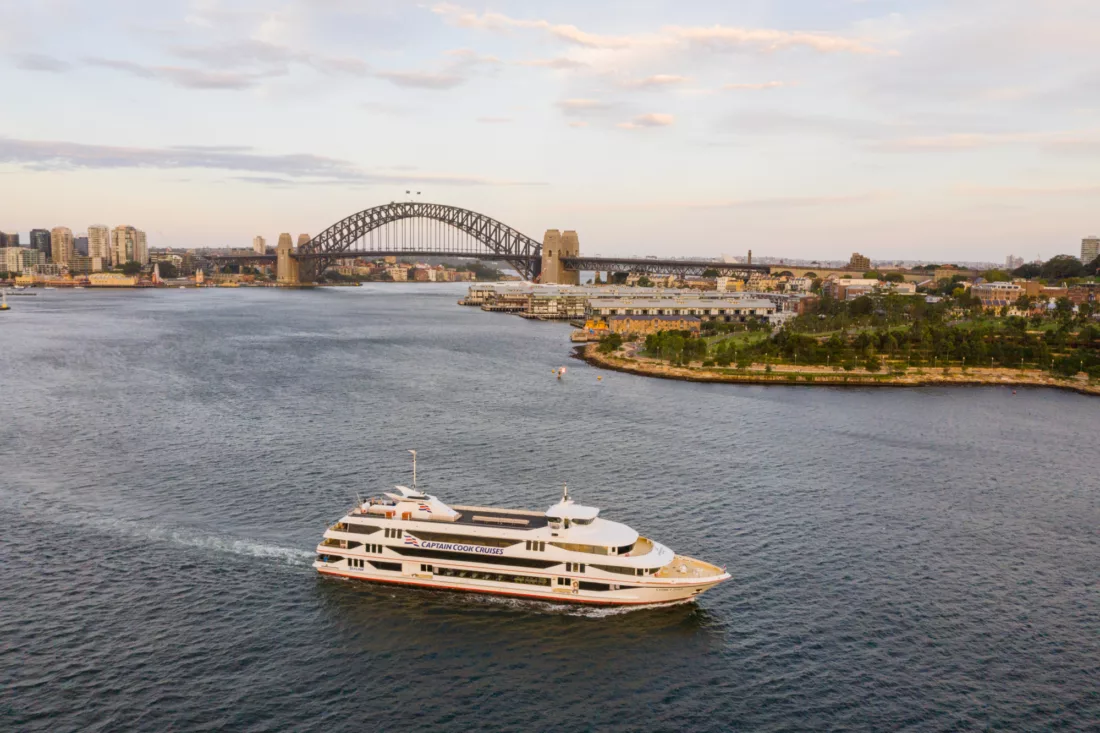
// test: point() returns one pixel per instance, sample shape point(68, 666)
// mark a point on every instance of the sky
point(902, 129)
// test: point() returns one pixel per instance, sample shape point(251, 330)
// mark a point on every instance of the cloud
point(579, 107)
point(499, 22)
point(715, 37)
point(578, 123)
point(560, 63)
point(270, 169)
point(422, 79)
point(779, 122)
point(494, 120)
point(250, 53)
point(653, 119)
point(187, 77)
point(655, 82)
point(755, 87)
point(720, 37)
point(1058, 141)
point(40, 62)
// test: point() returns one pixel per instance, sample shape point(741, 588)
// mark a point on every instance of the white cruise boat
point(567, 553)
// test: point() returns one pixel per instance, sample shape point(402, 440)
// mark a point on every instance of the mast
point(414, 468)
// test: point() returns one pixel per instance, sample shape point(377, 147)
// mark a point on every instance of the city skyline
point(903, 130)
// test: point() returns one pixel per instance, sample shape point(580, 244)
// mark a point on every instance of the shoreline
point(790, 376)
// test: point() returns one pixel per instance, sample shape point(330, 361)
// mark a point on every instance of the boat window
point(625, 549)
point(393, 566)
point(573, 547)
point(582, 521)
point(498, 577)
point(464, 539)
point(357, 528)
point(626, 571)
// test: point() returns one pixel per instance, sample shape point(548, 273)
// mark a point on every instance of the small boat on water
point(566, 554)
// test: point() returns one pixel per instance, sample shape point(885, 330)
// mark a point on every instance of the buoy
point(599, 379)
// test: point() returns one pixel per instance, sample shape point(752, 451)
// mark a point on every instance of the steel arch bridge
point(414, 227)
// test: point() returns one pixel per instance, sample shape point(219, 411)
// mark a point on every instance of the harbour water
point(921, 559)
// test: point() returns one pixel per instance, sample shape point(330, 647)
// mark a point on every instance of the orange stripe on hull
point(555, 599)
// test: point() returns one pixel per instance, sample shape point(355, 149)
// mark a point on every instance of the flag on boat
point(411, 541)
point(425, 508)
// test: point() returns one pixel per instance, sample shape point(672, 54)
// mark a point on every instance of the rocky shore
point(798, 375)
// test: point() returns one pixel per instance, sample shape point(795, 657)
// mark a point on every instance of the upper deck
point(499, 518)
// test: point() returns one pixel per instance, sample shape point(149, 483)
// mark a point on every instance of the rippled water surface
point(919, 559)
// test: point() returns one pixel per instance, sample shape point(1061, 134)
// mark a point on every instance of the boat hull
point(635, 596)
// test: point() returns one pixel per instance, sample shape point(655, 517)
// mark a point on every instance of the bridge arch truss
point(414, 227)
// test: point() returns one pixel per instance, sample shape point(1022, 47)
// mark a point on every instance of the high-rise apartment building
point(9, 240)
point(99, 242)
point(80, 245)
point(141, 248)
point(40, 240)
point(61, 245)
point(859, 262)
point(128, 245)
point(1090, 249)
point(259, 245)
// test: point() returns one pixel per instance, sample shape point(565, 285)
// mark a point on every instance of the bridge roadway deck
point(647, 265)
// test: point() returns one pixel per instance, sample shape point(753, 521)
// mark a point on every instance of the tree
point(996, 276)
point(895, 277)
point(645, 282)
point(168, 270)
point(1029, 271)
point(610, 342)
point(710, 272)
point(131, 268)
point(1061, 267)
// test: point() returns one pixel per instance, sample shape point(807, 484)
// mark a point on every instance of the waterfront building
point(996, 295)
point(725, 310)
point(1090, 249)
point(398, 273)
point(259, 245)
point(850, 288)
point(80, 245)
point(112, 280)
point(99, 242)
point(40, 240)
point(81, 265)
point(128, 245)
point(61, 245)
point(645, 325)
point(11, 259)
point(859, 262)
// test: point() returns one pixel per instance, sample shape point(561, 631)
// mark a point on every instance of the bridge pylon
point(286, 266)
point(556, 245)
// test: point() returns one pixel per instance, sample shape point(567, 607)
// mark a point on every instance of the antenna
point(414, 467)
point(564, 492)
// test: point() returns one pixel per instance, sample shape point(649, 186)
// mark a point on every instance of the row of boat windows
point(354, 562)
point(475, 574)
point(531, 545)
point(570, 567)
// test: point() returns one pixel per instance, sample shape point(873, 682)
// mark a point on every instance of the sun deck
point(500, 518)
point(682, 568)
